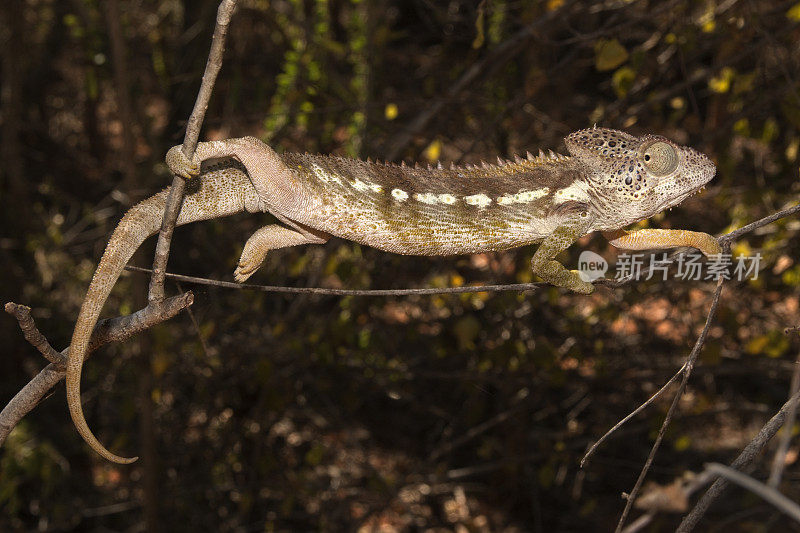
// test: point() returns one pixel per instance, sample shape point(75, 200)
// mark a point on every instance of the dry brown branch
point(767, 493)
point(158, 309)
point(779, 461)
point(108, 330)
point(742, 463)
point(173, 207)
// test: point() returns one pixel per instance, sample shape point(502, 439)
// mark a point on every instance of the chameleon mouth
point(672, 202)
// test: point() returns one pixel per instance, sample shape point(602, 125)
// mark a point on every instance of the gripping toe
point(180, 165)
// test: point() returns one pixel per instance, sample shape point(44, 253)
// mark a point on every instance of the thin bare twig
point(348, 292)
point(729, 237)
point(767, 493)
point(689, 365)
point(725, 241)
point(158, 309)
point(175, 197)
point(32, 334)
point(743, 463)
point(633, 413)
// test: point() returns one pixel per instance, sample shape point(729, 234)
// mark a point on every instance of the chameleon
point(609, 180)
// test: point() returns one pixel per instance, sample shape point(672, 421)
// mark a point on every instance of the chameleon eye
point(660, 158)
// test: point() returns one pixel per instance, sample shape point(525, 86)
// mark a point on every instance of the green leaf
point(609, 54)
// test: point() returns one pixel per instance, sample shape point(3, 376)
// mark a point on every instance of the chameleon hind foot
point(269, 238)
point(180, 165)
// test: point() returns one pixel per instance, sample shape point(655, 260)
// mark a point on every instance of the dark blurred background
point(469, 412)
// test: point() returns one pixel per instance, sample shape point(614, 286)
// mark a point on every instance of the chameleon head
point(636, 177)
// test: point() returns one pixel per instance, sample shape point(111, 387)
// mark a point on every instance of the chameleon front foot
point(545, 266)
point(555, 273)
point(645, 239)
point(180, 165)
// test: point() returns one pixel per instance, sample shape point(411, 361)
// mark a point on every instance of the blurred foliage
point(468, 412)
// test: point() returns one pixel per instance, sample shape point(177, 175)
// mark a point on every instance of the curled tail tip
point(83, 429)
point(123, 460)
point(100, 449)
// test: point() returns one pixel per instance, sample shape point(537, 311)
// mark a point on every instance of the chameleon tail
point(223, 191)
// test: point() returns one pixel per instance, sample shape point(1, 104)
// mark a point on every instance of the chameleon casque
point(610, 179)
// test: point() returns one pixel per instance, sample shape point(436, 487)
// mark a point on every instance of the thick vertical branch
point(173, 207)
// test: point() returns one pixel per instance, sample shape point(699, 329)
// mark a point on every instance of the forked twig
point(689, 365)
point(158, 309)
point(106, 331)
point(633, 413)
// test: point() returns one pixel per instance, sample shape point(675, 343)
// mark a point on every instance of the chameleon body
point(610, 179)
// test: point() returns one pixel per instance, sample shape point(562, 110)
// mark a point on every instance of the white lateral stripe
point(481, 200)
point(426, 198)
point(578, 191)
point(400, 194)
point(324, 176)
point(522, 197)
point(360, 185)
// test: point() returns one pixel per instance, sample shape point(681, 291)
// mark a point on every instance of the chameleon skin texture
point(610, 179)
point(434, 211)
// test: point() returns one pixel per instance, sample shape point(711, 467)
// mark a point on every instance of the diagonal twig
point(633, 413)
point(106, 331)
point(158, 309)
point(689, 365)
point(779, 462)
point(175, 197)
point(742, 463)
point(767, 493)
point(729, 237)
